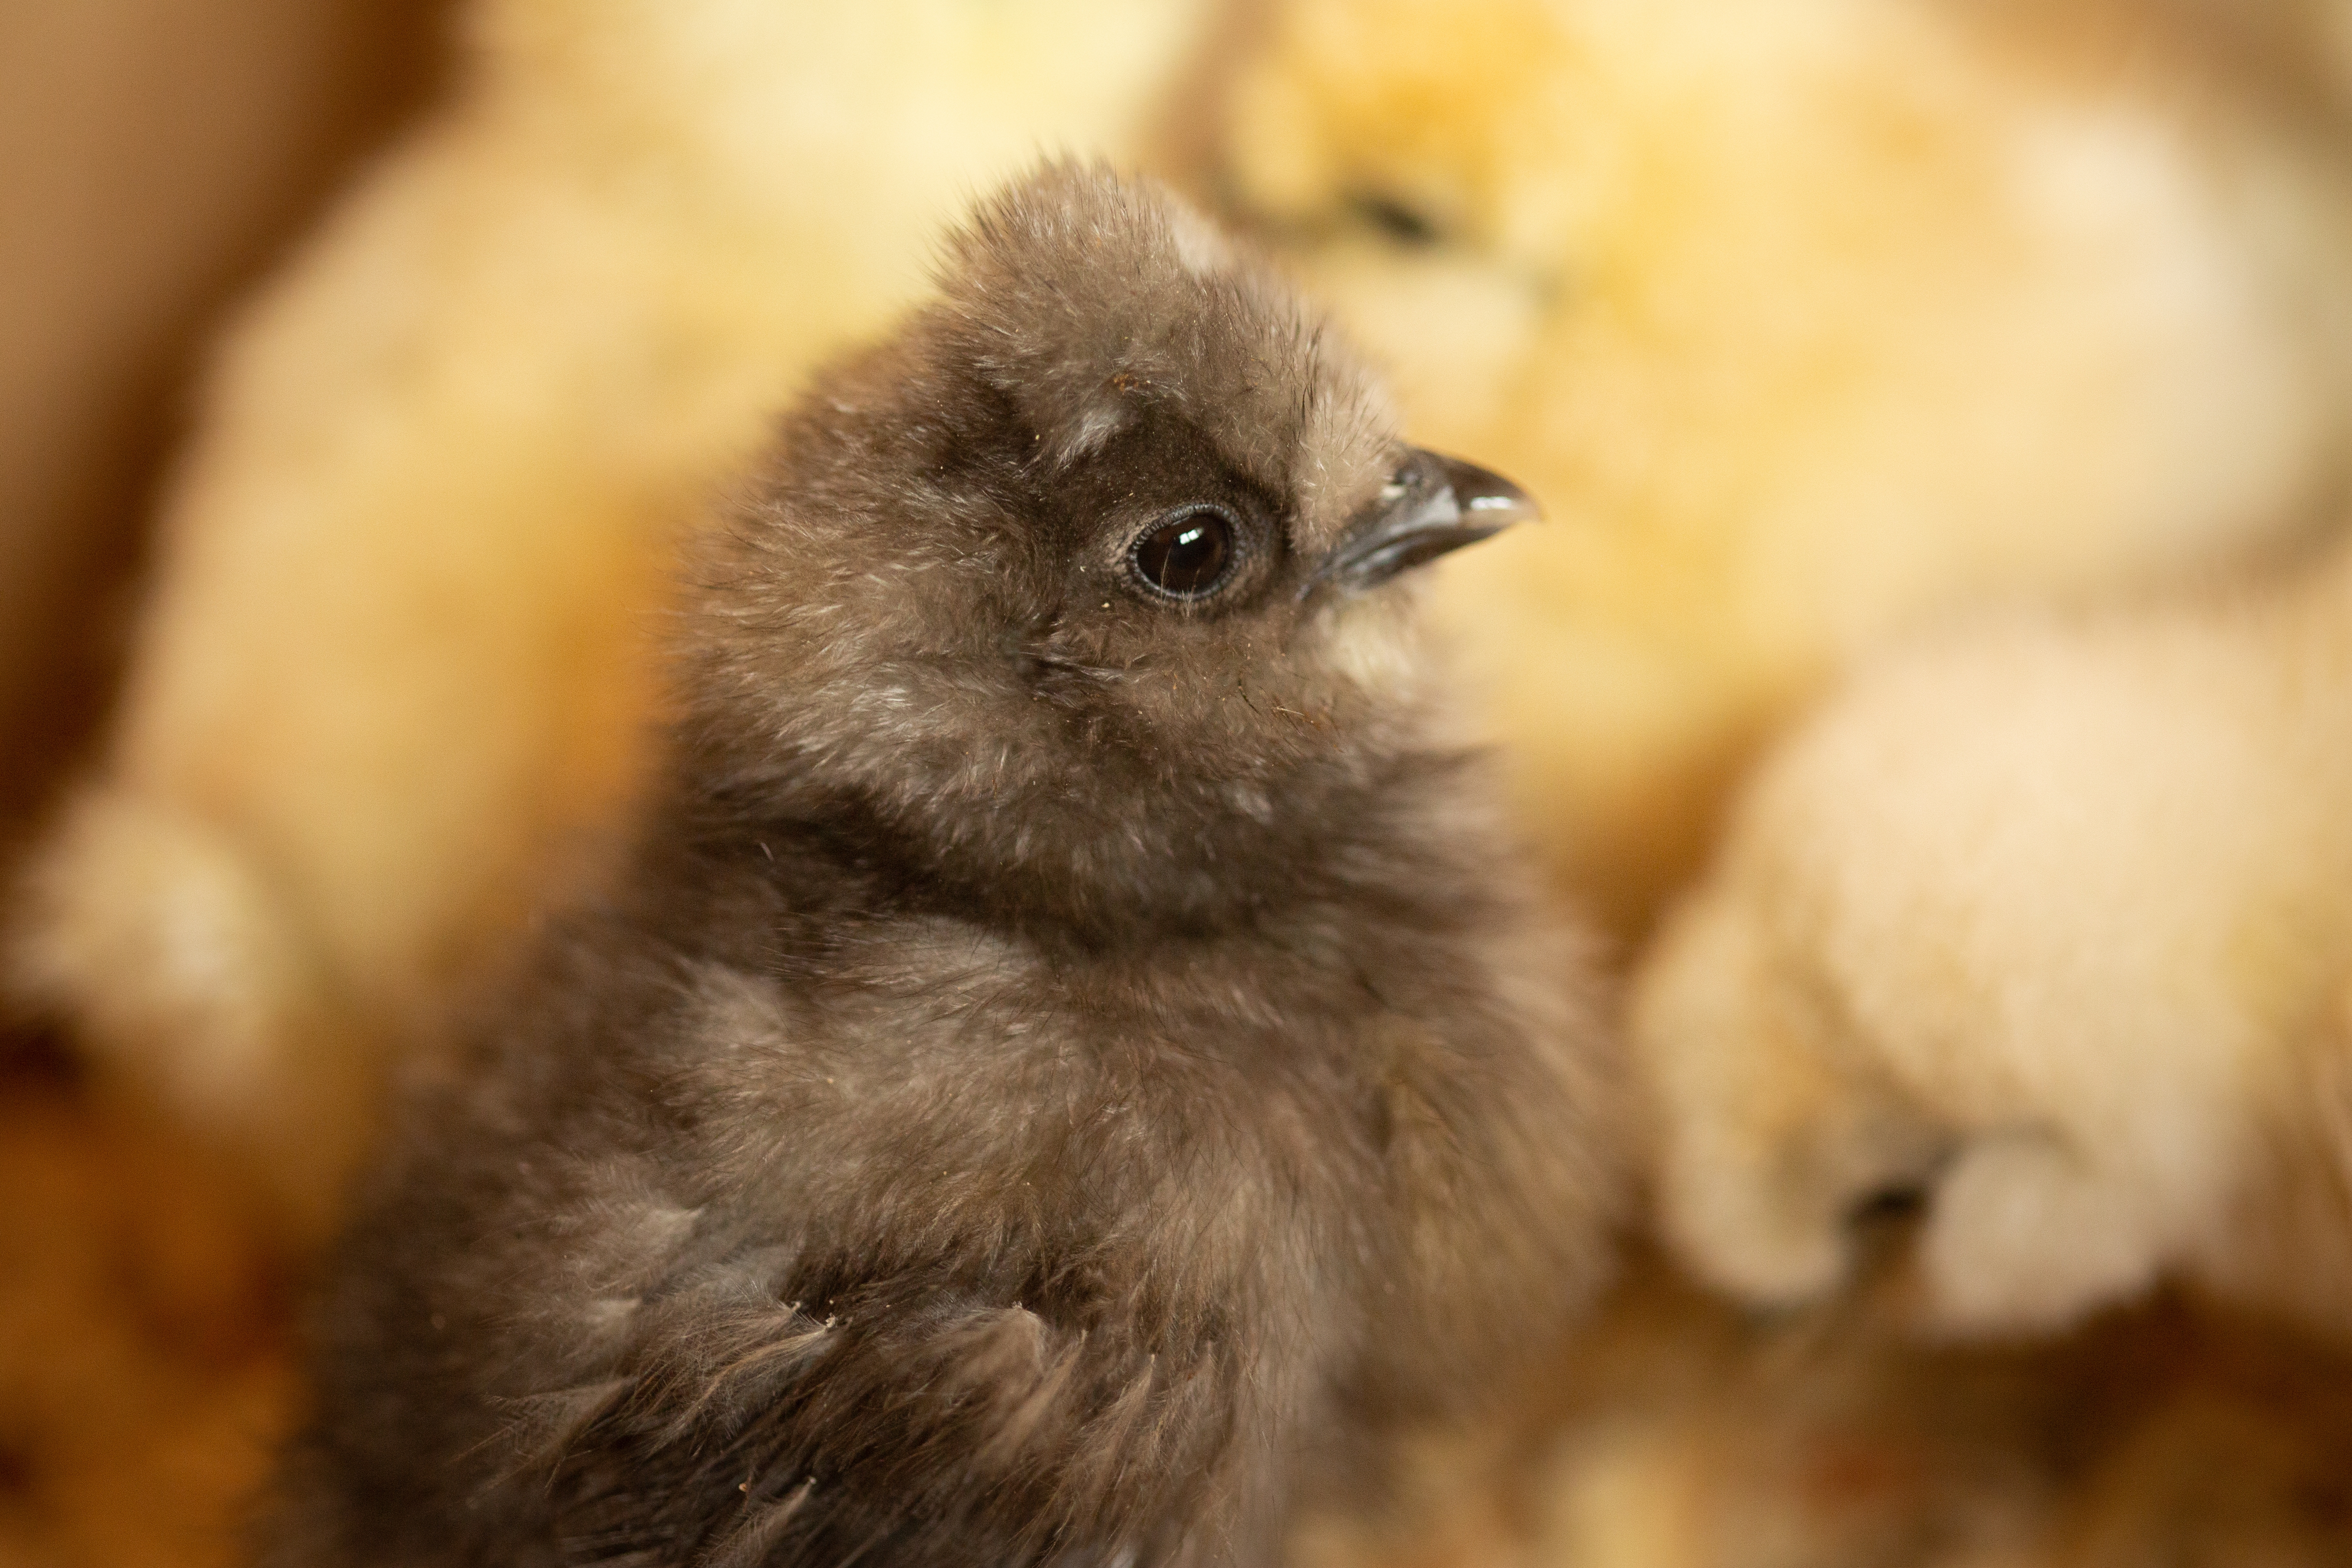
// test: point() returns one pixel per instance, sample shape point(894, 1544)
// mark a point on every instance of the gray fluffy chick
point(1072, 1041)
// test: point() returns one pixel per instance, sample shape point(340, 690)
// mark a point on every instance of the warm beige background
point(154, 154)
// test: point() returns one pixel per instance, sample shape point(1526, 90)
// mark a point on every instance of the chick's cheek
point(1369, 641)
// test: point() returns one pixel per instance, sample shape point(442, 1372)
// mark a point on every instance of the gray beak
point(1432, 505)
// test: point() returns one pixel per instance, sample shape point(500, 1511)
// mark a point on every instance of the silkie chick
point(1072, 1040)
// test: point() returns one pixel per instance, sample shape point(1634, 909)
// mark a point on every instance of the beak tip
point(1445, 505)
point(1487, 499)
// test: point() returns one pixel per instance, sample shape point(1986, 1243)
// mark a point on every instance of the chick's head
point(1087, 593)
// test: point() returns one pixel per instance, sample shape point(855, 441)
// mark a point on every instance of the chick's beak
point(1432, 505)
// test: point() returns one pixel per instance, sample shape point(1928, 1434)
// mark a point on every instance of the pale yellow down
point(395, 662)
point(1806, 320)
point(2051, 921)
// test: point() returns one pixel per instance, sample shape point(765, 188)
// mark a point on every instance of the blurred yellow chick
point(394, 667)
point(2051, 921)
point(1807, 320)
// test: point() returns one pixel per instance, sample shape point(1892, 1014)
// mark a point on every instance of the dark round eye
point(1188, 553)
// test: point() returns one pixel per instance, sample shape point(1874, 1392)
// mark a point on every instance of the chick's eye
point(1187, 554)
point(1395, 220)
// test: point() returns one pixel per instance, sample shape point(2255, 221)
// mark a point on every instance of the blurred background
point(1813, 322)
point(156, 157)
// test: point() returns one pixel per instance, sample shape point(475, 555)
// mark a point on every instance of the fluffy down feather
point(2053, 922)
point(1059, 1061)
point(394, 676)
point(1810, 320)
